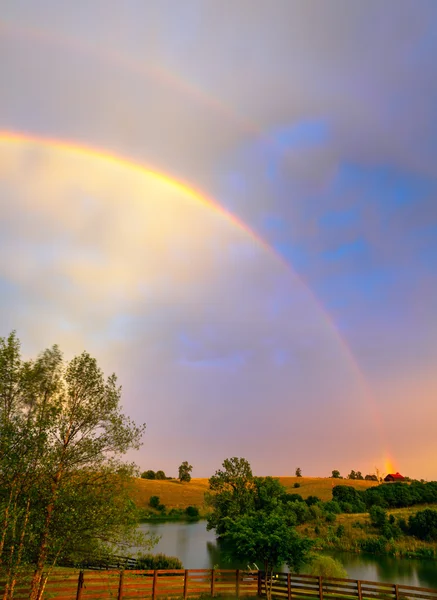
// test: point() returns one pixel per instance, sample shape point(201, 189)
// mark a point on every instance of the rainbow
point(199, 197)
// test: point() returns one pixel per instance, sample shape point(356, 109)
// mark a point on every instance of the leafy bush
point(391, 531)
point(332, 506)
point(312, 500)
point(296, 485)
point(340, 531)
point(292, 498)
point(160, 475)
point(347, 507)
point(192, 512)
point(378, 516)
point(325, 566)
point(158, 561)
point(148, 475)
point(423, 525)
point(300, 510)
point(154, 502)
point(375, 545)
point(330, 517)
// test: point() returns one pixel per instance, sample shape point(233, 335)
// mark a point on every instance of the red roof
point(395, 476)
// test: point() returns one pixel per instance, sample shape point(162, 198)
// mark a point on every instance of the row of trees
point(355, 475)
point(395, 495)
point(64, 490)
point(184, 472)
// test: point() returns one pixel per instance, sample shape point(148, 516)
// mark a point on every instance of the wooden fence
point(133, 585)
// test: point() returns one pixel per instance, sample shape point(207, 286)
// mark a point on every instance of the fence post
point(79, 586)
point(237, 583)
point(259, 583)
point(289, 585)
point(212, 582)
point(360, 593)
point(397, 591)
point(321, 588)
point(154, 584)
point(185, 584)
point(120, 586)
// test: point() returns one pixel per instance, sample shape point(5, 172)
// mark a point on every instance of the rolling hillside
point(180, 495)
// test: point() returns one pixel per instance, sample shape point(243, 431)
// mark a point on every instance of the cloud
point(314, 123)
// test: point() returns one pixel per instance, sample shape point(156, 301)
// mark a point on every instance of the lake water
point(198, 548)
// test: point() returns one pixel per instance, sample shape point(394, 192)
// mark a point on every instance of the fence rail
point(185, 583)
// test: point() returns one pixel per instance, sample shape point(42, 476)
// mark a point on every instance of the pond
point(198, 548)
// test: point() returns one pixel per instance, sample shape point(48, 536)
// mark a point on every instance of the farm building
point(394, 477)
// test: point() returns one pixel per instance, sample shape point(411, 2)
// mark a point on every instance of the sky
point(233, 206)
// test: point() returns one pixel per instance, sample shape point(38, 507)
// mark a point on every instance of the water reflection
point(198, 548)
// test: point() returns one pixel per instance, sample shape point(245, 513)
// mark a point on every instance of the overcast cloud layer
point(315, 123)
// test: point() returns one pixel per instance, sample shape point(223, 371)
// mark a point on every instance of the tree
point(424, 525)
point(184, 472)
point(230, 493)
point(64, 489)
point(148, 474)
point(335, 474)
point(352, 475)
point(160, 475)
point(266, 536)
point(298, 472)
point(154, 501)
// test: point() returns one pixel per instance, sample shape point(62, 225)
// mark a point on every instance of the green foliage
point(340, 531)
point(148, 474)
point(400, 495)
point(160, 475)
point(336, 474)
point(64, 490)
point(231, 493)
point(352, 475)
point(325, 566)
point(158, 561)
point(423, 525)
point(185, 472)
point(154, 501)
point(375, 545)
point(192, 512)
point(378, 516)
point(349, 498)
point(312, 500)
point(330, 517)
point(298, 472)
point(255, 518)
point(296, 485)
point(286, 497)
point(265, 536)
point(332, 506)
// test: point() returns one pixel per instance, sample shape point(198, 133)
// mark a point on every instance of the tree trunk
point(4, 525)
point(13, 575)
point(43, 546)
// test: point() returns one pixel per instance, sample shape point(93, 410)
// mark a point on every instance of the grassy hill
point(174, 494)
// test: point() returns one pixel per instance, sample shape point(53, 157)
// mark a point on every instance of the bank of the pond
point(171, 519)
point(198, 548)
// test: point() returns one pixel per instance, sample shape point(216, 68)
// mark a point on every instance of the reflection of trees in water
point(181, 542)
point(427, 572)
point(389, 569)
point(219, 555)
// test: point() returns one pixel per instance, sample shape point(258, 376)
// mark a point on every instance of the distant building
point(394, 477)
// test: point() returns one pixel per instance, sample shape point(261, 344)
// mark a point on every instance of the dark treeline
point(386, 495)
